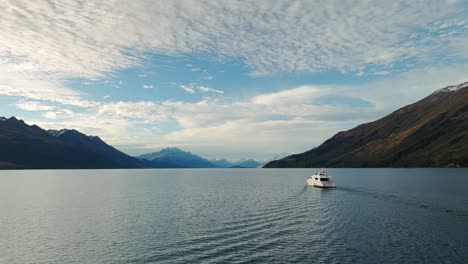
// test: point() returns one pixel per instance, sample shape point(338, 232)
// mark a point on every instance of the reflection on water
point(240, 216)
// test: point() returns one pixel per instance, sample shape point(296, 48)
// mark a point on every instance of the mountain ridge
point(31, 147)
point(175, 158)
point(428, 133)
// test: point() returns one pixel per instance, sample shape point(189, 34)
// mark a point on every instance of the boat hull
point(324, 187)
point(319, 184)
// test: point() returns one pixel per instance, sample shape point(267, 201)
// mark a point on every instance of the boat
point(321, 180)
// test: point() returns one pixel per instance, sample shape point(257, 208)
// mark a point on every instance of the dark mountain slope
point(30, 147)
point(432, 132)
point(94, 144)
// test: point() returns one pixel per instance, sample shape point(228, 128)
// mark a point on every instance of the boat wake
point(405, 200)
point(316, 223)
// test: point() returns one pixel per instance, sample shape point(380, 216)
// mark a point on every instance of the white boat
point(321, 180)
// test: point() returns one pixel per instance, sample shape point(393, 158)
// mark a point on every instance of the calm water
point(239, 216)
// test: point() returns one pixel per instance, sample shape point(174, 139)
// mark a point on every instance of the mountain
point(245, 163)
point(30, 147)
point(250, 163)
point(222, 163)
point(432, 132)
point(175, 158)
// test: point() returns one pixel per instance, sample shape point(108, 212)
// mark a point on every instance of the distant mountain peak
point(57, 133)
point(65, 131)
point(221, 162)
point(15, 121)
point(174, 149)
point(452, 88)
point(3, 118)
point(165, 151)
point(176, 158)
point(248, 163)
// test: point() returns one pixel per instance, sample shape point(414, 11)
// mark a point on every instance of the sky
point(224, 79)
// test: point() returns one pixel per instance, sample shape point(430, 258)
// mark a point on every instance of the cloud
point(33, 106)
point(188, 88)
point(62, 114)
point(147, 86)
point(194, 87)
point(50, 115)
point(89, 39)
point(19, 85)
point(142, 111)
point(287, 97)
point(208, 89)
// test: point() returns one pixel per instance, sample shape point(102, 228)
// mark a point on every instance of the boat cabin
point(321, 176)
point(321, 179)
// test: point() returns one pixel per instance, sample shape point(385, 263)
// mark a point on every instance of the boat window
point(316, 178)
point(323, 179)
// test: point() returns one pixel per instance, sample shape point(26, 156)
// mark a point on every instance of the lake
point(233, 215)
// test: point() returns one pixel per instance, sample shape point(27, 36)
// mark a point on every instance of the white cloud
point(188, 88)
point(208, 89)
point(141, 111)
point(89, 39)
point(288, 97)
point(50, 115)
point(20, 85)
point(147, 86)
point(194, 87)
point(62, 114)
point(33, 106)
point(382, 72)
